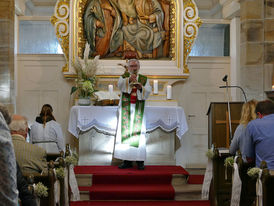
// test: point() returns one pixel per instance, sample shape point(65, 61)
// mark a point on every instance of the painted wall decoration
point(161, 32)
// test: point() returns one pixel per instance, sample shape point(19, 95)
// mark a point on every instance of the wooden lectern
point(218, 122)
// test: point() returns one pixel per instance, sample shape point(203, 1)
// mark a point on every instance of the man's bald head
point(18, 117)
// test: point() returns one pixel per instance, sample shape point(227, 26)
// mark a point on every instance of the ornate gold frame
point(191, 24)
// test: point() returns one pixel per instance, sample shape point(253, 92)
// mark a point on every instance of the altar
point(95, 126)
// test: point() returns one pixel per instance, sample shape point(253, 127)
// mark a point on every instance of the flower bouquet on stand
point(86, 77)
point(40, 191)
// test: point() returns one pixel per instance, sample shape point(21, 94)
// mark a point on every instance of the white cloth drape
point(207, 180)
point(259, 190)
point(168, 118)
point(66, 187)
point(236, 185)
point(75, 194)
point(56, 190)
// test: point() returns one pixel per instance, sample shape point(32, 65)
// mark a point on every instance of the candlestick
point(272, 87)
point(155, 86)
point(169, 92)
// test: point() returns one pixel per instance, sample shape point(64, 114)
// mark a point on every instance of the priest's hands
point(133, 78)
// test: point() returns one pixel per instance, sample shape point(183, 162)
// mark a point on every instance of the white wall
point(41, 81)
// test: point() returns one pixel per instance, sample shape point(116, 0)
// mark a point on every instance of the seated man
point(31, 158)
point(259, 145)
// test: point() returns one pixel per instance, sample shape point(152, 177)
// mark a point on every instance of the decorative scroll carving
point(60, 20)
point(192, 23)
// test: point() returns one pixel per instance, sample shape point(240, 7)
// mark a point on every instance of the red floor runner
point(195, 179)
point(141, 203)
point(111, 183)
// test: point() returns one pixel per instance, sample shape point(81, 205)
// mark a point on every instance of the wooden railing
point(49, 180)
point(268, 185)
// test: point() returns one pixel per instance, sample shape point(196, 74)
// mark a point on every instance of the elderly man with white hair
point(31, 158)
point(130, 137)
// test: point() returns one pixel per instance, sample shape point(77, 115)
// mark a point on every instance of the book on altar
point(106, 98)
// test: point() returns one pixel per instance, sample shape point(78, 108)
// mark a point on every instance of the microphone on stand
point(228, 108)
point(225, 78)
point(236, 87)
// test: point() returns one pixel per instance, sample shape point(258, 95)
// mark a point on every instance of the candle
point(272, 87)
point(169, 92)
point(110, 89)
point(155, 86)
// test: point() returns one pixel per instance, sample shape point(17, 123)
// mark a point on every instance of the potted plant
point(86, 77)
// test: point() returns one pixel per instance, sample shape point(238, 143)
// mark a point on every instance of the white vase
point(84, 101)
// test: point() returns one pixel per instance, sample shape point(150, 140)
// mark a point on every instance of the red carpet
point(141, 203)
point(111, 183)
point(195, 179)
point(114, 170)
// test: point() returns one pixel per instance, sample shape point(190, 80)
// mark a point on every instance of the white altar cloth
point(104, 119)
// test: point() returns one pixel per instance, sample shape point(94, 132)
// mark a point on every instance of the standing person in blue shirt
point(260, 143)
point(247, 114)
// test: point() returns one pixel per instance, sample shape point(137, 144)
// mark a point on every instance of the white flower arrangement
point(72, 159)
point(229, 161)
point(60, 173)
point(40, 190)
point(253, 172)
point(86, 74)
point(210, 154)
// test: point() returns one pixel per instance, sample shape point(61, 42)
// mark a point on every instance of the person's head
point(248, 112)
point(133, 66)
point(46, 113)
point(5, 113)
point(264, 108)
point(46, 110)
point(19, 125)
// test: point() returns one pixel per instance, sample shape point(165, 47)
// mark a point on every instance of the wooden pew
point(54, 156)
point(221, 185)
point(248, 190)
point(268, 185)
point(49, 180)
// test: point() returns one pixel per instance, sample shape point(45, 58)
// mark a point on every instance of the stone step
point(188, 192)
point(183, 191)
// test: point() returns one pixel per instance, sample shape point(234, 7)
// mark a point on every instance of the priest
point(130, 137)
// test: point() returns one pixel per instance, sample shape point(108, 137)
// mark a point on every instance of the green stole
point(130, 135)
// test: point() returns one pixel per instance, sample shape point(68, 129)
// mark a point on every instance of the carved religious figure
point(115, 26)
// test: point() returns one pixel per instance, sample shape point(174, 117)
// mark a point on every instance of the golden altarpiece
point(179, 27)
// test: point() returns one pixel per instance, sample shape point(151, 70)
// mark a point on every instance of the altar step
point(154, 183)
point(141, 203)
